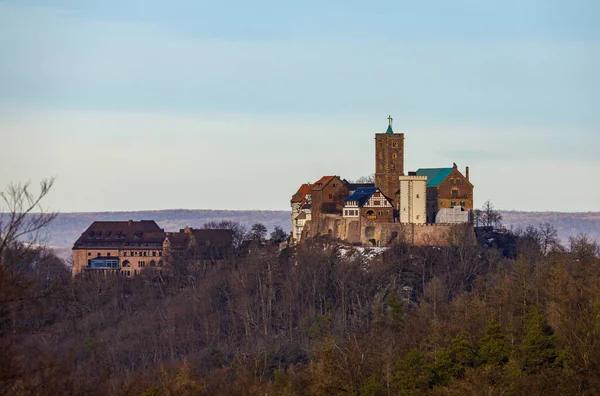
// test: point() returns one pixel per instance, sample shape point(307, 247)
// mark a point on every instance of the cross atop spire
point(389, 128)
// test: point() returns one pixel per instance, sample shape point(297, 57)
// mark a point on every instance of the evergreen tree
point(441, 369)
point(537, 346)
point(462, 354)
point(412, 374)
point(493, 350)
point(372, 387)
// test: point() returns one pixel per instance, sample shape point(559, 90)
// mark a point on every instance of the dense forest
point(493, 313)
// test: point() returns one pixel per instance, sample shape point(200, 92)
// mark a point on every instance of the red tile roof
point(322, 182)
point(302, 192)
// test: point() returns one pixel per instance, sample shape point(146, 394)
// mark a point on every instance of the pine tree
point(462, 354)
point(537, 346)
point(493, 350)
point(412, 375)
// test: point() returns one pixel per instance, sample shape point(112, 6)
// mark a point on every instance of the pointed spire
point(389, 128)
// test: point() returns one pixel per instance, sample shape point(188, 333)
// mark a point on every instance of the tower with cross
point(389, 161)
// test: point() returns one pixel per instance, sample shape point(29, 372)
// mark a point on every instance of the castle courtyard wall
point(371, 233)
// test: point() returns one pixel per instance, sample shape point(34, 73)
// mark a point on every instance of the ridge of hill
point(67, 227)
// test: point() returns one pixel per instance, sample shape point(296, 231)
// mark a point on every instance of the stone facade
point(454, 190)
point(389, 162)
point(370, 233)
point(328, 194)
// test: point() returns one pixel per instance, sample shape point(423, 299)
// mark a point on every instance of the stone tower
point(389, 161)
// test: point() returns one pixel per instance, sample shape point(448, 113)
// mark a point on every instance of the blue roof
point(434, 175)
point(389, 130)
point(362, 195)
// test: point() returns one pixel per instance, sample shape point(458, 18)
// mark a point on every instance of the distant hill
point(567, 224)
point(67, 227)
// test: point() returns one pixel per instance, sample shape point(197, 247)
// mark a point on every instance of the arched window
point(394, 155)
point(152, 263)
point(126, 263)
point(455, 193)
point(370, 213)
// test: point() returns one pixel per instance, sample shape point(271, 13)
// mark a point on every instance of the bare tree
point(238, 229)
point(489, 216)
point(548, 237)
point(366, 179)
point(22, 217)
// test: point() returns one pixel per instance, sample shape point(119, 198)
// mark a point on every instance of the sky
point(143, 105)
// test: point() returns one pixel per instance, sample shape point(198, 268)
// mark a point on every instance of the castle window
point(455, 193)
point(154, 253)
point(462, 203)
point(125, 254)
point(108, 254)
point(99, 254)
point(394, 144)
point(457, 181)
point(417, 196)
point(453, 203)
point(330, 196)
point(89, 254)
point(393, 166)
point(394, 155)
point(334, 185)
point(160, 253)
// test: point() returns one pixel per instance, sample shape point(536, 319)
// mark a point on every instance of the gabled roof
point(434, 175)
point(322, 182)
point(302, 192)
point(362, 195)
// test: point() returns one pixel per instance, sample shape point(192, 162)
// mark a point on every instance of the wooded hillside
point(320, 319)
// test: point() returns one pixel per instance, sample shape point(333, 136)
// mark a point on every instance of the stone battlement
point(379, 234)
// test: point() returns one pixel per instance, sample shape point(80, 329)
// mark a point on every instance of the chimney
point(467, 173)
point(454, 165)
point(130, 222)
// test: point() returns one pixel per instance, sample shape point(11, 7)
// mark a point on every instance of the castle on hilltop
point(420, 207)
